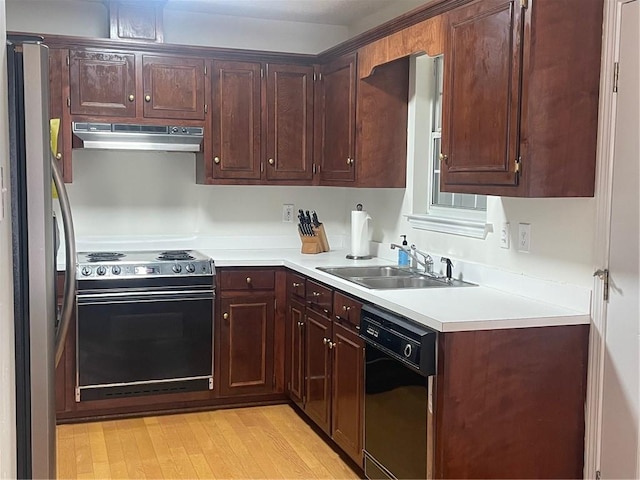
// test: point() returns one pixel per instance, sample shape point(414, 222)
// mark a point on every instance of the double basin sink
point(390, 277)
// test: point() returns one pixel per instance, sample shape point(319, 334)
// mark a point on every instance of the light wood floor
point(259, 442)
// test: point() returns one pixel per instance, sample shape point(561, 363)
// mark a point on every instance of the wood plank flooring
point(259, 442)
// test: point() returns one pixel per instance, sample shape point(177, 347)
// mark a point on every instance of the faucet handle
point(449, 266)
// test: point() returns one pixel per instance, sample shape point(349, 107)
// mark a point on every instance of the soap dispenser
point(403, 257)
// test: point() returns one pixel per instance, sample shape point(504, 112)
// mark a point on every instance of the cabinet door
point(289, 122)
point(295, 351)
point(173, 87)
point(236, 120)
point(58, 94)
point(337, 103)
point(102, 83)
point(348, 391)
point(481, 95)
point(246, 345)
point(318, 369)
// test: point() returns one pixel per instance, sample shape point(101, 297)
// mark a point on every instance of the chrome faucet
point(413, 253)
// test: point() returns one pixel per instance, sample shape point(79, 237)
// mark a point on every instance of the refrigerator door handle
point(69, 294)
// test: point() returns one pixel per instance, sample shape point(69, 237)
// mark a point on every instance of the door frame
point(603, 195)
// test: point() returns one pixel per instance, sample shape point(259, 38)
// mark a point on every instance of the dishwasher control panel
point(400, 338)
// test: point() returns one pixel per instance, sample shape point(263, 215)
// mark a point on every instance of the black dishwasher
point(399, 369)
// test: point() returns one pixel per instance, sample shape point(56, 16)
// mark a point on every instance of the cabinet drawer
point(319, 297)
point(346, 309)
point(296, 285)
point(247, 279)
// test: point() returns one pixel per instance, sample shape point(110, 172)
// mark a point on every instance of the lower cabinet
point(246, 345)
point(245, 328)
point(326, 363)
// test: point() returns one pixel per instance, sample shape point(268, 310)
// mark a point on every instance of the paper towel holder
point(359, 257)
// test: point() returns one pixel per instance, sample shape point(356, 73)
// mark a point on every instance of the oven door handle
point(148, 297)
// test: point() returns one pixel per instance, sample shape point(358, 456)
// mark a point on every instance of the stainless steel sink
point(390, 277)
point(350, 272)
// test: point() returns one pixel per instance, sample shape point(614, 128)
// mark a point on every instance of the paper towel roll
point(359, 233)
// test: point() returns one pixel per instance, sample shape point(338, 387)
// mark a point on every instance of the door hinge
point(518, 162)
point(68, 102)
point(68, 61)
point(524, 3)
point(616, 74)
point(603, 274)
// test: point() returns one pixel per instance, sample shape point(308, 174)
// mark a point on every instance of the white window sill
point(454, 226)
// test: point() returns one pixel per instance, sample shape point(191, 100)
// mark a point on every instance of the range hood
point(125, 136)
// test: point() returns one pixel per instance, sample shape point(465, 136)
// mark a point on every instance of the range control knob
point(184, 129)
point(86, 271)
point(116, 270)
point(177, 268)
point(101, 270)
point(407, 350)
point(190, 268)
point(174, 129)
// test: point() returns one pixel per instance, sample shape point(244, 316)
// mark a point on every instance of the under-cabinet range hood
point(124, 136)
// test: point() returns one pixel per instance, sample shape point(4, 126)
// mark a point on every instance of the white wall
point(7, 363)
point(90, 19)
point(141, 193)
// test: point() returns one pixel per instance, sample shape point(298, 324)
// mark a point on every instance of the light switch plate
point(524, 237)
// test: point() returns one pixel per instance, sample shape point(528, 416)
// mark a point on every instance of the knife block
point(317, 243)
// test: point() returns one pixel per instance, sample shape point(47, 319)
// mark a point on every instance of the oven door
point(398, 418)
point(147, 343)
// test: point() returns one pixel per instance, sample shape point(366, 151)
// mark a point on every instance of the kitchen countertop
point(443, 309)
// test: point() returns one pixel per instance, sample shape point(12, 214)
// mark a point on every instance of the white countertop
point(443, 309)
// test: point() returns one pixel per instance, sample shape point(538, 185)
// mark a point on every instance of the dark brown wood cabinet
point(236, 117)
point(326, 361)
point(246, 345)
point(347, 392)
point(102, 83)
point(296, 351)
point(289, 120)
point(173, 87)
point(381, 134)
point(336, 121)
point(245, 325)
point(317, 354)
point(521, 98)
point(58, 94)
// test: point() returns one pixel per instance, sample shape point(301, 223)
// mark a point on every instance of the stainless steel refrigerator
point(39, 330)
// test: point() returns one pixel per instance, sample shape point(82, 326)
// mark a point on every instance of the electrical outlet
point(524, 237)
point(504, 236)
point(287, 212)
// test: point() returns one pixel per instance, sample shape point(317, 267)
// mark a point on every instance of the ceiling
point(331, 12)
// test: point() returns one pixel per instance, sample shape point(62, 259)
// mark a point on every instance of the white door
point(620, 427)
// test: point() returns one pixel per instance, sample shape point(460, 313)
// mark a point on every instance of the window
point(462, 214)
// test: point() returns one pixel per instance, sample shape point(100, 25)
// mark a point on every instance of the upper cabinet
point(102, 83)
point(173, 87)
point(336, 121)
point(289, 126)
point(108, 84)
point(236, 120)
point(520, 100)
